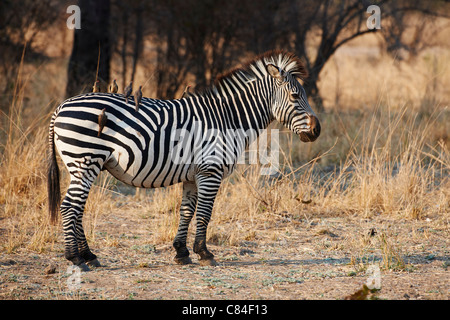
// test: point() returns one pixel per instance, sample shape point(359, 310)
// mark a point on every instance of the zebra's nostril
point(314, 125)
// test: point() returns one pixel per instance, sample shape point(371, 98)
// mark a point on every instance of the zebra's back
point(133, 145)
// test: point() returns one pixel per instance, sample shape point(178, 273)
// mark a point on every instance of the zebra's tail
point(53, 188)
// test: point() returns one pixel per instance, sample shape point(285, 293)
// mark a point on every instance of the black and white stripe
point(195, 140)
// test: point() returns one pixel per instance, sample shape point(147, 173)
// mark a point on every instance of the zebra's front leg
point(208, 186)
point(188, 205)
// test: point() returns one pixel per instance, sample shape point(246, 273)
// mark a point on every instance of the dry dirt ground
point(309, 257)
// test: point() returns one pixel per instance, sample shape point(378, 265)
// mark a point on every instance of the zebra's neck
point(240, 101)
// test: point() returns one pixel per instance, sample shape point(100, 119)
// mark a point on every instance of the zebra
point(137, 147)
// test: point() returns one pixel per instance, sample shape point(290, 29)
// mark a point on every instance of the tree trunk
point(312, 92)
point(123, 51)
point(92, 37)
point(138, 37)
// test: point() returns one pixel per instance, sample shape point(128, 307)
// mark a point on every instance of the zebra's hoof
point(183, 260)
point(208, 262)
point(93, 263)
point(84, 267)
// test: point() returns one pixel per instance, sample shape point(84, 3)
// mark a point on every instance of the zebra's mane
point(256, 68)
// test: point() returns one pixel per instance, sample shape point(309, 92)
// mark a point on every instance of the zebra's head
point(290, 105)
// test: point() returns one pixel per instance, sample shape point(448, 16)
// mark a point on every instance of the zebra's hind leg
point(90, 258)
point(188, 205)
point(208, 186)
point(72, 207)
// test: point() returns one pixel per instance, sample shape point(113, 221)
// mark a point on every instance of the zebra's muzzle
point(314, 130)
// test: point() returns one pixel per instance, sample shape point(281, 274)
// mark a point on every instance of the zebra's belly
point(148, 172)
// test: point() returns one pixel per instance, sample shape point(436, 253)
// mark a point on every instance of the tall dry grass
point(22, 177)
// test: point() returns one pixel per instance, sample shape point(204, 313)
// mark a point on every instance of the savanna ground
point(373, 190)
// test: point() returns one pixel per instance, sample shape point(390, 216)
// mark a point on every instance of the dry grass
point(383, 152)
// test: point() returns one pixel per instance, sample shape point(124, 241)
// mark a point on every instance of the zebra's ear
point(275, 72)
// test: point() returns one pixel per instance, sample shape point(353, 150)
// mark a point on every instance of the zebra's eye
point(295, 96)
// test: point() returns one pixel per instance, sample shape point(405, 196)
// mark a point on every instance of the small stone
point(51, 269)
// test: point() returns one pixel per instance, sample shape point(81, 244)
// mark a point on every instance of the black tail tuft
point(53, 188)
